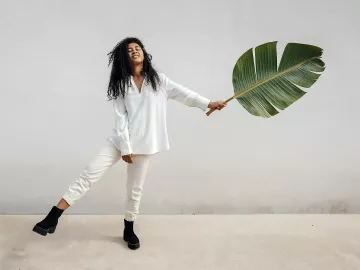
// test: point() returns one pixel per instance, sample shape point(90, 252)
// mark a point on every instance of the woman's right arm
point(122, 126)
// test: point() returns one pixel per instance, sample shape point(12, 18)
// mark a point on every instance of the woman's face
point(136, 54)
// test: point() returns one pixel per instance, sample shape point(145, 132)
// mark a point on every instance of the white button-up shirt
point(140, 117)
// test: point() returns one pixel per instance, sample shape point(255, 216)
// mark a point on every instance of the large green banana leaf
point(263, 88)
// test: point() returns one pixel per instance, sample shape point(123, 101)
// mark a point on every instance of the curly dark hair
point(121, 68)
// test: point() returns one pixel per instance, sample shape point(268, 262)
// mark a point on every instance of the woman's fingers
point(128, 158)
point(221, 105)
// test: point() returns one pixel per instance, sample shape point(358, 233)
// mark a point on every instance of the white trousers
point(105, 159)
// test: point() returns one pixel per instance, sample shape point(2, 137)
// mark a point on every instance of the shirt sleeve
point(121, 126)
point(184, 95)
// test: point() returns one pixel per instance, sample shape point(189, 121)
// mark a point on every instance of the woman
point(139, 97)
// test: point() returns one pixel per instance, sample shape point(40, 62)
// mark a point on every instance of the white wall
point(55, 117)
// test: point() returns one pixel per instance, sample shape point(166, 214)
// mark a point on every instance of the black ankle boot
point(49, 223)
point(129, 235)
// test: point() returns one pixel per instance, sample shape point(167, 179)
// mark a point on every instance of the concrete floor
point(266, 242)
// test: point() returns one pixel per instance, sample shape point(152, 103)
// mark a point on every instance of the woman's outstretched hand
point(217, 105)
point(128, 158)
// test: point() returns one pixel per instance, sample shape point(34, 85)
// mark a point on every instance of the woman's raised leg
point(105, 159)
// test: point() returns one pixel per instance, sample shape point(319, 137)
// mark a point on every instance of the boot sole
point(132, 246)
point(43, 231)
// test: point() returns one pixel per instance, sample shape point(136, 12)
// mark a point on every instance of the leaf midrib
point(270, 78)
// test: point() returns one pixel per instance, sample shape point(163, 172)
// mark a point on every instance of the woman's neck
point(136, 71)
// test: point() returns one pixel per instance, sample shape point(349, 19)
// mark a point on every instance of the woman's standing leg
point(136, 174)
point(105, 159)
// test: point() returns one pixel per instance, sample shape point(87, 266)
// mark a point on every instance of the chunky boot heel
point(52, 230)
point(49, 223)
point(129, 235)
point(133, 246)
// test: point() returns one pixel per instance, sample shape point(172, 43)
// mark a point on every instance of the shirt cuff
point(202, 102)
point(125, 148)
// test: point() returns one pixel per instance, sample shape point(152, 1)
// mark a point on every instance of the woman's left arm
point(187, 97)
